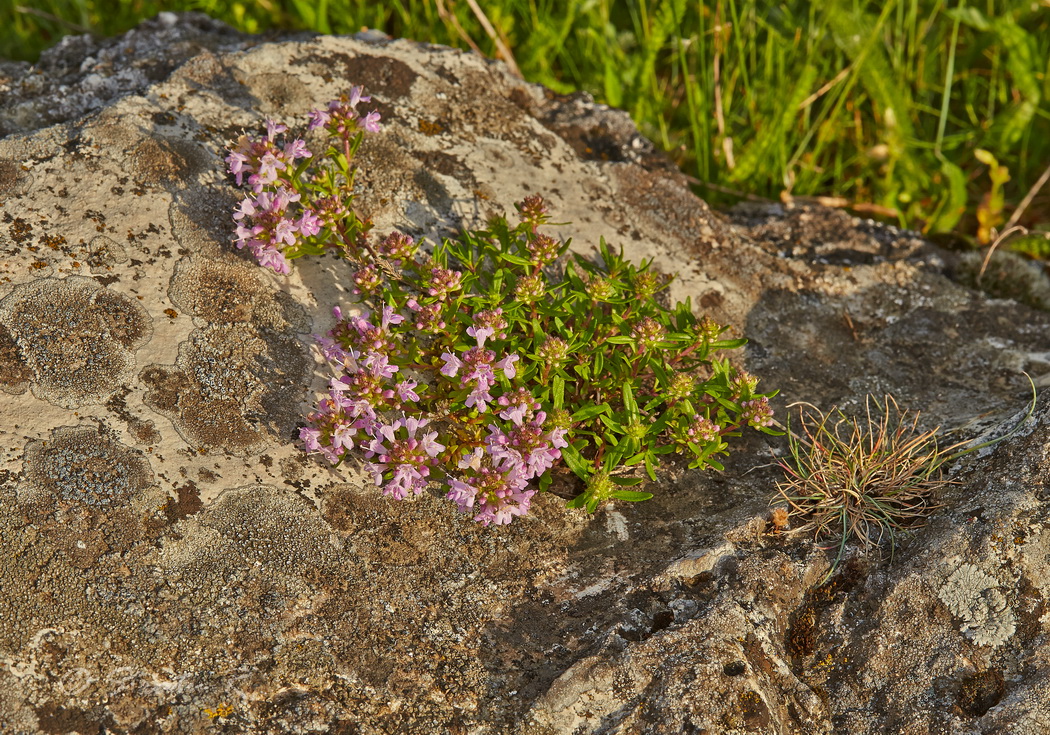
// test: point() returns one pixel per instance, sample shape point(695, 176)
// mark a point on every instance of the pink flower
point(402, 465)
point(370, 122)
point(356, 97)
point(390, 317)
point(478, 398)
point(266, 173)
point(406, 390)
point(273, 129)
point(296, 148)
point(461, 494)
point(480, 334)
point(237, 164)
point(452, 364)
point(318, 119)
point(247, 208)
point(379, 365)
point(284, 231)
point(507, 365)
point(273, 259)
point(309, 224)
point(311, 438)
point(342, 437)
point(519, 406)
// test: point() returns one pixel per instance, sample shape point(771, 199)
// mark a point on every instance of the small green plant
point(990, 210)
point(865, 479)
point(483, 363)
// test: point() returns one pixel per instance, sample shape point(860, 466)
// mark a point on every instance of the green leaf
point(859, 35)
point(728, 344)
point(1021, 60)
point(558, 391)
point(649, 466)
point(771, 136)
point(538, 335)
point(953, 203)
point(515, 260)
point(625, 446)
point(612, 85)
point(589, 412)
point(578, 501)
point(629, 403)
point(632, 445)
point(653, 404)
point(632, 496)
point(620, 340)
point(624, 482)
point(575, 462)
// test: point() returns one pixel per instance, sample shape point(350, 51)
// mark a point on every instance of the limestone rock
point(173, 563)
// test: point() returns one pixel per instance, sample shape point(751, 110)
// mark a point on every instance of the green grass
point(882, 105)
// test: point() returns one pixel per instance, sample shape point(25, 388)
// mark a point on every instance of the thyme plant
point(485, 363)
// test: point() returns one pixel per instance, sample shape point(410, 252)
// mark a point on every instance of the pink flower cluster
point(262, 160)
point(274, 221)
point(496, 477)
point(266, 227)
point(478, 374)
point(341, 118)
point(402, 462)
point(491, 480)
point(757, 412)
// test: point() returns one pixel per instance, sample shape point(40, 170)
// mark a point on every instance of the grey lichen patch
point(1006, 275)
point(14, 373)
point(14, 181)
point(233, 388)
point(200, 221)
point(76, 339)
point(974, 596)
point(280, 94)
point(231, 293)
point(85, 465)
point(160, 160)
point(384, 76)
point(246, 567)
point(104, 253)
point(269, 525)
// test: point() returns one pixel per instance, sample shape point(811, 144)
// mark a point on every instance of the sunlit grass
point(883, 105)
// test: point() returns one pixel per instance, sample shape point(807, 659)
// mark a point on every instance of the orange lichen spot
point(37, 265)
point(171, 313)
point(54, 242)
point(429, 127)
point(223, 710)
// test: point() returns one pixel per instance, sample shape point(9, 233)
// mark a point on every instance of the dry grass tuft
point(862, 479)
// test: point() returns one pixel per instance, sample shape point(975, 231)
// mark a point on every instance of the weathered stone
point(170, 561)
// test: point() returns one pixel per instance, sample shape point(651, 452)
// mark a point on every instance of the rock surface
point(172, 563)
